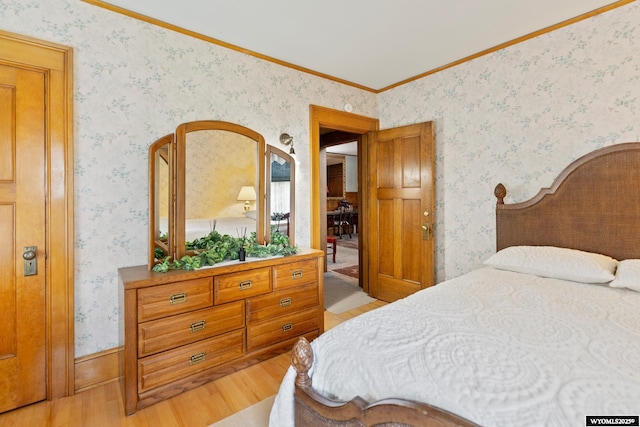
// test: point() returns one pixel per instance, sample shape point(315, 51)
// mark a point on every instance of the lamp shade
point(247, 193)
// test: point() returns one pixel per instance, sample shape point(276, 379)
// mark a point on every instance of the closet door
point(22, 233)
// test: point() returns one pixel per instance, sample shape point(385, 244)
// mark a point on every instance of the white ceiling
point(347, 149)
point(369, 43)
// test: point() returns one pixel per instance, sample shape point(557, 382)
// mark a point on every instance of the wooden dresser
point(185, 328)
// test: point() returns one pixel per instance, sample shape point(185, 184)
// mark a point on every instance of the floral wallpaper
point(133, 83)
point(516, 116)
point(519, 116)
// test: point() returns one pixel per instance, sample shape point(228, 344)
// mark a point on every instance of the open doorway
point(340, 152)
point(341, 200)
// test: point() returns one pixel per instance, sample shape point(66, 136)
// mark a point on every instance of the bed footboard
point(313, 409)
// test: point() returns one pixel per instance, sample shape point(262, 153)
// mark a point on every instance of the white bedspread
point(496, 347)
point(201, 227)
point(233, 226)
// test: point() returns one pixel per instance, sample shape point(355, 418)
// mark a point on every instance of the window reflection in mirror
point(281, 193)
point(218, 164)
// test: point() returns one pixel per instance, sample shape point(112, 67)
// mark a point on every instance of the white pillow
point(250, 214)
point(554, 262)
point(627, 275)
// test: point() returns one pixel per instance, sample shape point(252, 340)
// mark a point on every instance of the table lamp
point(248, 194)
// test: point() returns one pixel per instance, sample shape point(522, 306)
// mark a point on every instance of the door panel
point(6, 138)
point(385, 264)
point(22, 224)
point(7, 284)
point(401, 204)
point(411, 222)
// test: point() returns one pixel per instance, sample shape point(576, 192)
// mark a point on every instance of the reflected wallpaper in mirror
point(162, 203)
point(160, 175)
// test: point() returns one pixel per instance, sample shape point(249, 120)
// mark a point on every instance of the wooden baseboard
point(97, 369)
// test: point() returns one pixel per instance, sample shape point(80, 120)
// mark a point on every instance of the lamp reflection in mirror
point(248, 194)
point(286, 139)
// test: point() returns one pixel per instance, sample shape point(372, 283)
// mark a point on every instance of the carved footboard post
point(302, 360)
point(308, 405)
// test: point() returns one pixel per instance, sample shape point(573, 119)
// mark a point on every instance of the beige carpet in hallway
point(342, 292)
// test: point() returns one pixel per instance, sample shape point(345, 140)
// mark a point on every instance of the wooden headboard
point(593, 205)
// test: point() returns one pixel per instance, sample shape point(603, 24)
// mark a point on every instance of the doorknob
point(30, 255)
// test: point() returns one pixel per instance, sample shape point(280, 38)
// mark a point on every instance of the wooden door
point(400, 202)
point(22, 225)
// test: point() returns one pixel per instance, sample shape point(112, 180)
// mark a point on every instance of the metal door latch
point(30, 256)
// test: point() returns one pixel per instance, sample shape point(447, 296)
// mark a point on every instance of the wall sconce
point(248, 194)
point(286, 139)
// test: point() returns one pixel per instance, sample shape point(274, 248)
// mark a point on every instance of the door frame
point(348, 122)
point(56, 62)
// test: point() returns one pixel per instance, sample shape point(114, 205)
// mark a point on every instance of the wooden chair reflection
point(277, 226)
point(287, 216)
point(342, 220)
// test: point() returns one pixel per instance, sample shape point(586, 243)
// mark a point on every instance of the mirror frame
point(180, 195)
point(292, 192)
point(175, 245)
point(154, 190)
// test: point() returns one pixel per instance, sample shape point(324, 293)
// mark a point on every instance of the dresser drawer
point(163, 368)
point(236, 286)
point(164, 334)
point(273, 331)
point(174, 298)
point(281, 302)
point(295, 274)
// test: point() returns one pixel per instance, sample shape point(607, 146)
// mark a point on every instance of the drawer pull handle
point(197, 358)
point(198, 326)
point(178, 298)
point(245, 285)
point(296, 274)
point(285, 302)
point(287, 327)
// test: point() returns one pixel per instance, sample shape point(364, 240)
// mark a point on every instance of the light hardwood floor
point(103, 405)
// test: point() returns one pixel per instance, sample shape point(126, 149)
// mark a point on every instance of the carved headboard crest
point(593, 205)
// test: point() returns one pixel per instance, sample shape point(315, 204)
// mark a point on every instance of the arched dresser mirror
point(219, 175)
point(214, 161)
